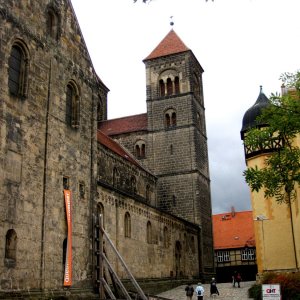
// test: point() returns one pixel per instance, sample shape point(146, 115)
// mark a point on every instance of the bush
point(289, 285)
point(255, 292)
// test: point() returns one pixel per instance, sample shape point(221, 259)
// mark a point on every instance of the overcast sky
point(241, 44)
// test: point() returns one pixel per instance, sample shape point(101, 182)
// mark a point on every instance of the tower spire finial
point(171, 21)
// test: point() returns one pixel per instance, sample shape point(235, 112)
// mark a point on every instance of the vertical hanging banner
point(68, 264)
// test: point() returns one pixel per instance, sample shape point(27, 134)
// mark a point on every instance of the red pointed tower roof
point(171, 44)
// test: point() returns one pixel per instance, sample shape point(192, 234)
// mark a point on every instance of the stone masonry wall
point(38, 149)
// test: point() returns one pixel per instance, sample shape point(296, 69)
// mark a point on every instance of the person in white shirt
point(199, 290)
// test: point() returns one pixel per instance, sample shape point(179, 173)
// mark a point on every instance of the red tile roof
point(171, 44)
point(115, 147)
point(124, 125)
point(233, 230)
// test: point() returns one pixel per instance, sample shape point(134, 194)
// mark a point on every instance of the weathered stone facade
point(51, 101)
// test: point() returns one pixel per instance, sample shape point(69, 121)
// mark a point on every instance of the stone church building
point(146, 175)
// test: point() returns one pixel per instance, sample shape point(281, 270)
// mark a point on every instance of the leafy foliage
point(281, 171)
point(289, 285)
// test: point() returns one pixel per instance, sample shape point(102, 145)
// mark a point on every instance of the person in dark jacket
point(189, 292)
point(213, 287)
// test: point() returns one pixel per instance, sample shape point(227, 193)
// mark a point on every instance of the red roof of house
point(171, 44)
point(233, 230)
point(124, 125)
point(115, 147)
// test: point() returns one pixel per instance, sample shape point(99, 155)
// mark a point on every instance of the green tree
point(281, 172)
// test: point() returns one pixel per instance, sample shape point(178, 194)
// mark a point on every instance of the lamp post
point(263, 218)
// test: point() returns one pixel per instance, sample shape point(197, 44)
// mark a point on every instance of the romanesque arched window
point(149, 233)
point(72, 105)
point(133, 184)
point(18, 66)
point(170, 118)
point(53, 24)
point(169, 82)
point(127, 225)
point(169, 87)
point(162, 91)
point(11, 245)
point(116, 177)
point(173, 119)
point(148, 199)
point(140, 149)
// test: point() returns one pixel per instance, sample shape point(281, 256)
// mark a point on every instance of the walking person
point(234, 277)
point(238, 279)
point(199, 291)
point(189, 292)
point(213, 288)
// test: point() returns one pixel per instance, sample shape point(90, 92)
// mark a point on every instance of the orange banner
point(68, 265)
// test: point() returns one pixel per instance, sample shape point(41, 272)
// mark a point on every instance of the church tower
point(177, 140)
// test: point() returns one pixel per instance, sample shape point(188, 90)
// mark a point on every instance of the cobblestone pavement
point(227, 292)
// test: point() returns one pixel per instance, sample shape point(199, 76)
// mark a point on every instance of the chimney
point(232, 212)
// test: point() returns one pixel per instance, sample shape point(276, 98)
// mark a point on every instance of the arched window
point(72, 105)
point(127, 225)
point(18, 65)
point(143, 151)
point(167, 120)
point(116, 177)
point(176, 83)
point(166, 237)
point(137, 150)
point(148, 193)
point(53, 24)
point(133, 184)
point(140, 149)
point(170, 118)
point(169, 87)
point(149, 233)
point(173, 119)
point(162, 88)
point(11, 245)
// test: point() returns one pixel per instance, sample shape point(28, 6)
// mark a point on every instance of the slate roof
point(124, 125)
point(233, 230)
point(170, 44)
